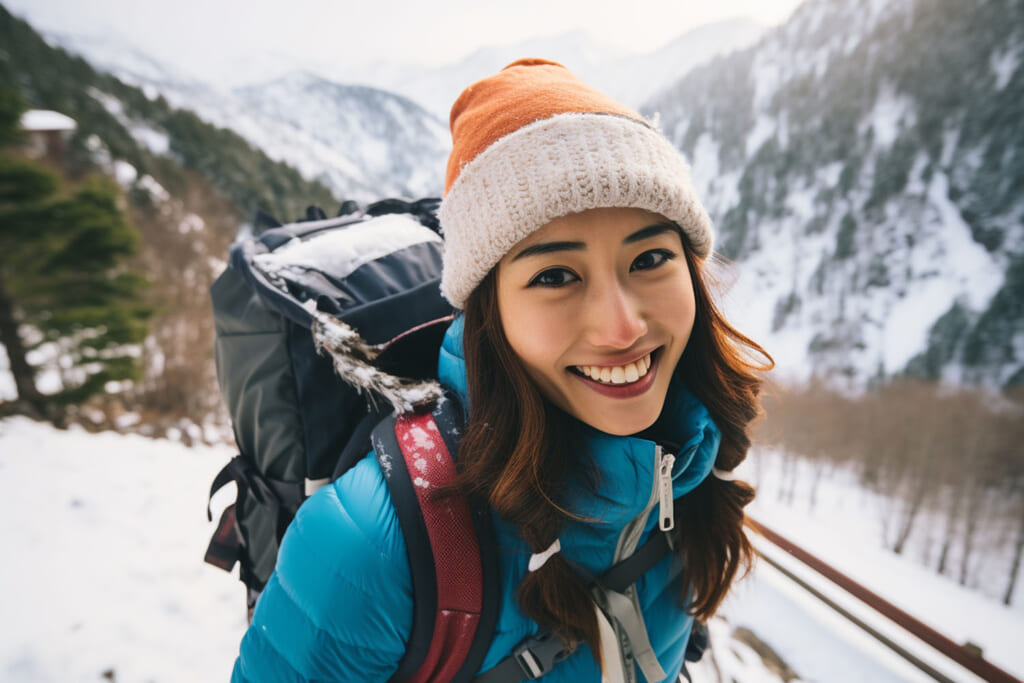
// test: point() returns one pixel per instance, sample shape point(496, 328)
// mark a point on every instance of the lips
point(645, 368)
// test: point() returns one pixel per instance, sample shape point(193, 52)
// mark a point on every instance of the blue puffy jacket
point(339, 604)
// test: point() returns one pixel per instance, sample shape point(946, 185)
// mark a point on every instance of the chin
point(619, 425)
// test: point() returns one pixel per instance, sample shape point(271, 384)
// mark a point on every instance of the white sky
point(188, 33)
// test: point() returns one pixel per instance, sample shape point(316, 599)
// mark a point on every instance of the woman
point(607, 399)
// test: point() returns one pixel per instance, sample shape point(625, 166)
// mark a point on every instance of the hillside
point(863, 165)
point(188, 187)
point(118, 122)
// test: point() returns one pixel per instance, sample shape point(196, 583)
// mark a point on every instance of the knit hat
point(533, 143)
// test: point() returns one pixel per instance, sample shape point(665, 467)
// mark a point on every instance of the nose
point(614, 317)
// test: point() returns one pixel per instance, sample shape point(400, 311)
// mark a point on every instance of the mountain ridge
point(859, 163)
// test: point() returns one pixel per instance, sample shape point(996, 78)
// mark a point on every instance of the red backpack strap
point(453, 612)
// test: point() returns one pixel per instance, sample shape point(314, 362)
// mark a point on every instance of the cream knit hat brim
point(557, 166)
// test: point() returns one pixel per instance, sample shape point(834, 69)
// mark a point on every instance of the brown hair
point(516, 454)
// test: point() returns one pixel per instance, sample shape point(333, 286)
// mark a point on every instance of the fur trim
point(353, 360)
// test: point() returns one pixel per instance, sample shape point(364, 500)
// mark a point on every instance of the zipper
point(666, 513)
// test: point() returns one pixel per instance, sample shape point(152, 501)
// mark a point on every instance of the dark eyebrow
point(650, 231)
point(549, 247)
point(638, 236)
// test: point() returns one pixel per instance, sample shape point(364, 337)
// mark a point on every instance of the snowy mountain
point(364, 143)
point(863, 165)
point(113, 53)
point(637, 79)
point(632, 77)
point(361, 142)
point(860, 162)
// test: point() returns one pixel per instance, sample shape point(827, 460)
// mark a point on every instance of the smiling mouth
point(613, 375)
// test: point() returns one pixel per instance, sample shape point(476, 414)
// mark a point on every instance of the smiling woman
point(598, 307)
point(601, 382)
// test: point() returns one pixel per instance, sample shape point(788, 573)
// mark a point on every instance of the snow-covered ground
point(844, 529)
point(104, 536)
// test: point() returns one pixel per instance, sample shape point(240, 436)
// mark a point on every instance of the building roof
point(43, 120)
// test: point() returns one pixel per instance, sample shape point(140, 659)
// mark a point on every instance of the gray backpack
point(306, 317)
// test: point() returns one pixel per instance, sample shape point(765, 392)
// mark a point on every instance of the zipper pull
point(666, 512)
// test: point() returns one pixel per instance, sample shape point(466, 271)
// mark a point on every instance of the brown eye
point(651, 259)
point(553, 277)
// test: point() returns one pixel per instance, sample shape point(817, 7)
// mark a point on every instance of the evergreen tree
point(63, 278)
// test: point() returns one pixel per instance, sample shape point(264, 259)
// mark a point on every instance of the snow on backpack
point(327, 337)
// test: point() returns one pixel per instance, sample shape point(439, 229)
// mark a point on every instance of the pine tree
point(63, 278)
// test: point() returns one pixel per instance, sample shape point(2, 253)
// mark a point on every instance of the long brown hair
point(518, 451)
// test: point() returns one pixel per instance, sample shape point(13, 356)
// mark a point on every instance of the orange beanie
point(533, 143)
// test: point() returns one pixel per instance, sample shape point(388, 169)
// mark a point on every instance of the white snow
point(109, 102)
point(340, 252)
point(43, 120)
point(104, 537)
point(155, 189)
point(890, 113)
point(124, 173)
point(843, 529)
point(1004, 64)
point(972, 267)
point(814, 640)
point(98, 150)
point(7, 388)
point(191, 223)
point(763, 129)
point(767, 76)
point(157, 141)
point(704, 164)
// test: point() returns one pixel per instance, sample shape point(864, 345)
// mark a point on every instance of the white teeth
point(622, 374)
point(632, 374)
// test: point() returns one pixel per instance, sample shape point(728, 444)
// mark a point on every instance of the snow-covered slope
point(103, 570)
point(361, 142)
point(112, 53)
point(860, 164)
point(365, 143)
point(637, 79)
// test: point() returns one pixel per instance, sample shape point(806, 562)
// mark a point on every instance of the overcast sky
point(191, 32)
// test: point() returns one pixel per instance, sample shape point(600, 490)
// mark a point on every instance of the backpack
point(327, 337)
point(323, 327)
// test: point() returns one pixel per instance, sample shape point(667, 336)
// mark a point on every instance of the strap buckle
point(538, 654)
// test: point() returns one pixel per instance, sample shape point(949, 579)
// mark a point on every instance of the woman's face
point(599, 306)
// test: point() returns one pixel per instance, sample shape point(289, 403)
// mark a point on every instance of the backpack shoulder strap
point(450, 547)
point(538, 654)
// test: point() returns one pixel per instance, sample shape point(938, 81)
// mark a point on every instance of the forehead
point(591, 226)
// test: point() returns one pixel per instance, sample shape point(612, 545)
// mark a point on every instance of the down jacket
point(339, 604)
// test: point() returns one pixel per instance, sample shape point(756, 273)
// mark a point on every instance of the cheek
point(537, 333)
point(676, 308)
